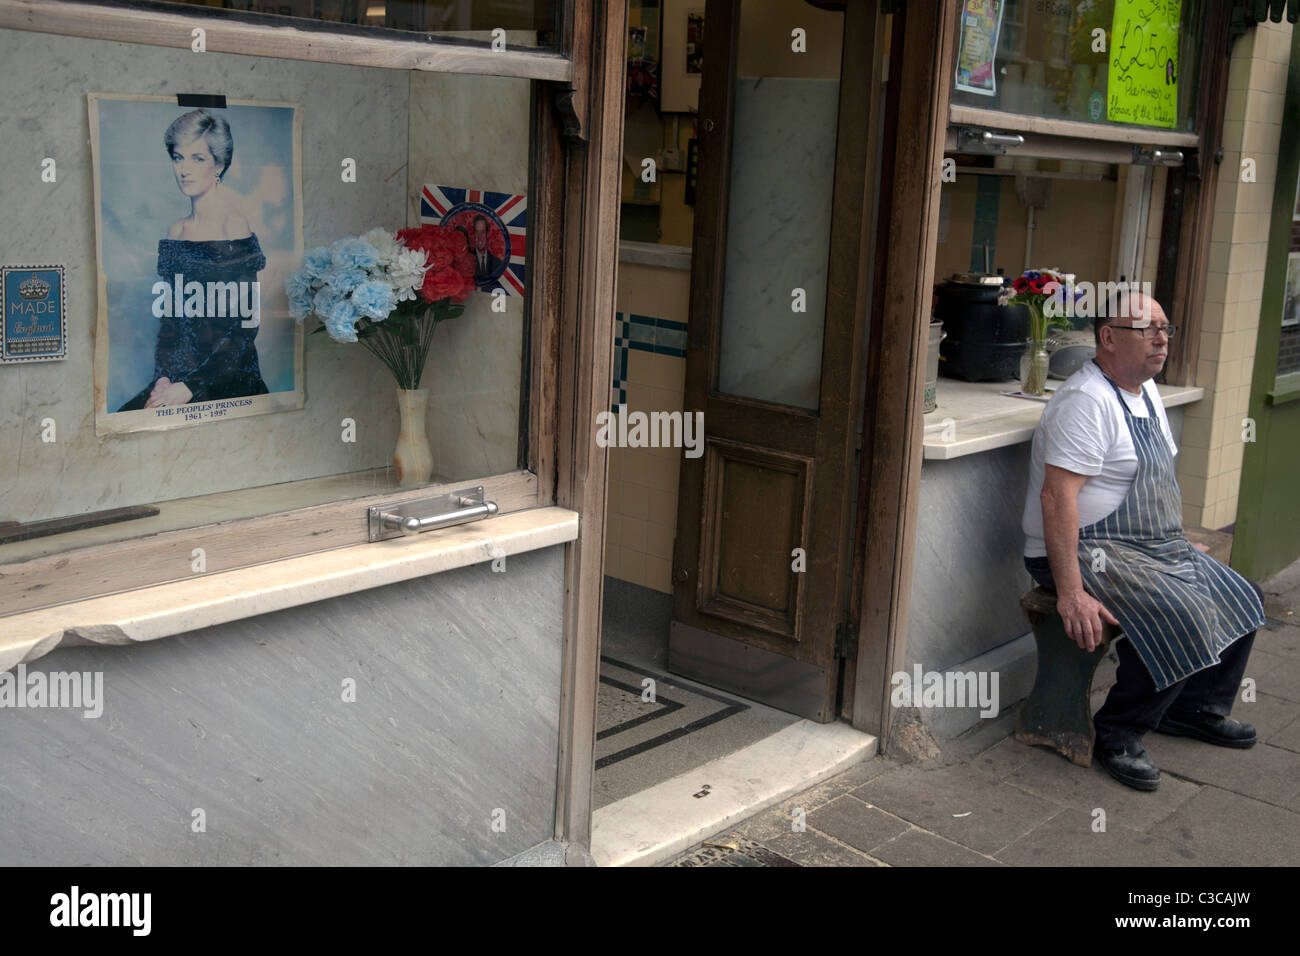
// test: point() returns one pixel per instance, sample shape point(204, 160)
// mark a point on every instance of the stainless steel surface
point(751, 672)
point(426, 514)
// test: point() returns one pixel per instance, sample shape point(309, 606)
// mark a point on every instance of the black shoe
point(1130, 766)
point(1212, 728)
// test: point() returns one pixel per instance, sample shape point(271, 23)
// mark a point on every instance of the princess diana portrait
point(198, 217)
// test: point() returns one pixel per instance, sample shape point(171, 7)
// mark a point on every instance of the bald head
point(1130, 307)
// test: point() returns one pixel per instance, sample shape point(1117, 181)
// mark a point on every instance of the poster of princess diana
point(198, 218)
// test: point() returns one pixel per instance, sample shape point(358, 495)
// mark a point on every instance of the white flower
point(385, 244)
point(406, 272)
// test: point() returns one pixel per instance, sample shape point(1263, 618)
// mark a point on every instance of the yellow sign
point(1142, 86)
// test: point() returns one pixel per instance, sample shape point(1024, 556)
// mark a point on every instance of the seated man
point(1103, 528)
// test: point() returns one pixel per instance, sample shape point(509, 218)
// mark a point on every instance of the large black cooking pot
point(985, 340)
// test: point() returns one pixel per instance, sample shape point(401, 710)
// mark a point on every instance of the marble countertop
point(972, 417)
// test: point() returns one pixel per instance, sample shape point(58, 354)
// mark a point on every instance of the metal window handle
point(442, 511)
point(466, 510)
point(1002, 139)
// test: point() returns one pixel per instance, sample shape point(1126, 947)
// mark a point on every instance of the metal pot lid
point(976, 278)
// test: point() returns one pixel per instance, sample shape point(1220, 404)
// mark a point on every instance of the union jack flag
point(506, 215)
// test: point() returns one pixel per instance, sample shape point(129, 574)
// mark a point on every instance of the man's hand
point(1203, 548)
point(1083, 616)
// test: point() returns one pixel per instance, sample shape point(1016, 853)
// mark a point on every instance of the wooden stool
point(1058, 713)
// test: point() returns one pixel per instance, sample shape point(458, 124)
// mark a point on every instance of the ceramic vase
point(413, 458)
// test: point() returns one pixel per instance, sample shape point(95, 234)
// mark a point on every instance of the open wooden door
point(779, 293)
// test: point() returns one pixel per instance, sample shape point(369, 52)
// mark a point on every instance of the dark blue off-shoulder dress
point(215, 357)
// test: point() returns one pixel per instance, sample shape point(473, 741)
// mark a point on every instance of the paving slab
point(1238, 830)
point(851, 821)
point(778, 819)
point(1054, 778)
point(983, 735)
point(1005, 757)
point(1280, 637)
point(1274, 674)
point(965, 805)
point(1068, 839)
point(1267, 713)
point(811, 848)
point(918, 848)
point(1265, 772)
point(1288, 737)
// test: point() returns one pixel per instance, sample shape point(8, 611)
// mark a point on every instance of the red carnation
point(451, 267)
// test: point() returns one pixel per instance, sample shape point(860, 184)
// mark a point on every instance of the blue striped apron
point(1179, 607)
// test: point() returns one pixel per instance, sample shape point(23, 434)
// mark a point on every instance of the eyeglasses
point(1150, 331)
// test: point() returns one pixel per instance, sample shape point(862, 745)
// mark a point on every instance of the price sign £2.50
point(1142, 85)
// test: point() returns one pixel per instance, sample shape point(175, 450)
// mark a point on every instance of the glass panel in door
point(779, 213)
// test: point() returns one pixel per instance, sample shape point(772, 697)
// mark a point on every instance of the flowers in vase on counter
point(386, 290)
point(1034, 289)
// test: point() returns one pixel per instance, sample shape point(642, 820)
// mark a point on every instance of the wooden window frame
point(100, 570)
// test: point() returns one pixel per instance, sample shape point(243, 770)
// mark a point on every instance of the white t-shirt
point(1083, 430)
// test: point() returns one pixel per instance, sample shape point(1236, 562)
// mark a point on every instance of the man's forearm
point(1061, 529)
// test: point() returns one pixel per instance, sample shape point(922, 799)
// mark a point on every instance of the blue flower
point(374, 299)
point(297, 284)
point(343, 280)
point(298, 287)
point(315, 261)
point(300, 306)
point(353, 254)
point(340, 319)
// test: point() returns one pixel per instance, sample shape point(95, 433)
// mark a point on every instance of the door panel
point(758, 503)
point(774, 354)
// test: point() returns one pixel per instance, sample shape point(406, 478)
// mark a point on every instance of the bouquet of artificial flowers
point(387, 291)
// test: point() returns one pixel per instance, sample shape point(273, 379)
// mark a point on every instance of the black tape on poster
point(214, 101)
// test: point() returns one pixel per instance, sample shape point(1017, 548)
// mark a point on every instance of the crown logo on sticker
point(34, 288)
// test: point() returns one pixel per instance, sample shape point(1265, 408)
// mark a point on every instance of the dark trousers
point(1134, 706)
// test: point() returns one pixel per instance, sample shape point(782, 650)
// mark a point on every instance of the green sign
point(1142, 85)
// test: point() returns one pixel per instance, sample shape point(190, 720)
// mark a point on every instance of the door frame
point(923, 41)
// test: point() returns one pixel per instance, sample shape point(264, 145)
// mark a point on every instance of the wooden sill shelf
point(151, 613)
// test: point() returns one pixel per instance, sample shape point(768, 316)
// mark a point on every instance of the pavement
point(988, 800)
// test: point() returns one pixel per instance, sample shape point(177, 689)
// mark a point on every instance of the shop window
point(1118, 63)
point(157, 385)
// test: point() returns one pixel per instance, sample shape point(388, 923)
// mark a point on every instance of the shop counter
point(973, 417)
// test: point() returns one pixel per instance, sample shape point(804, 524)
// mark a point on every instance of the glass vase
point(1034, 376)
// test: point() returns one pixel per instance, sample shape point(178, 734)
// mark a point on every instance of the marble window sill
point(983, 418)
point(151, 613)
